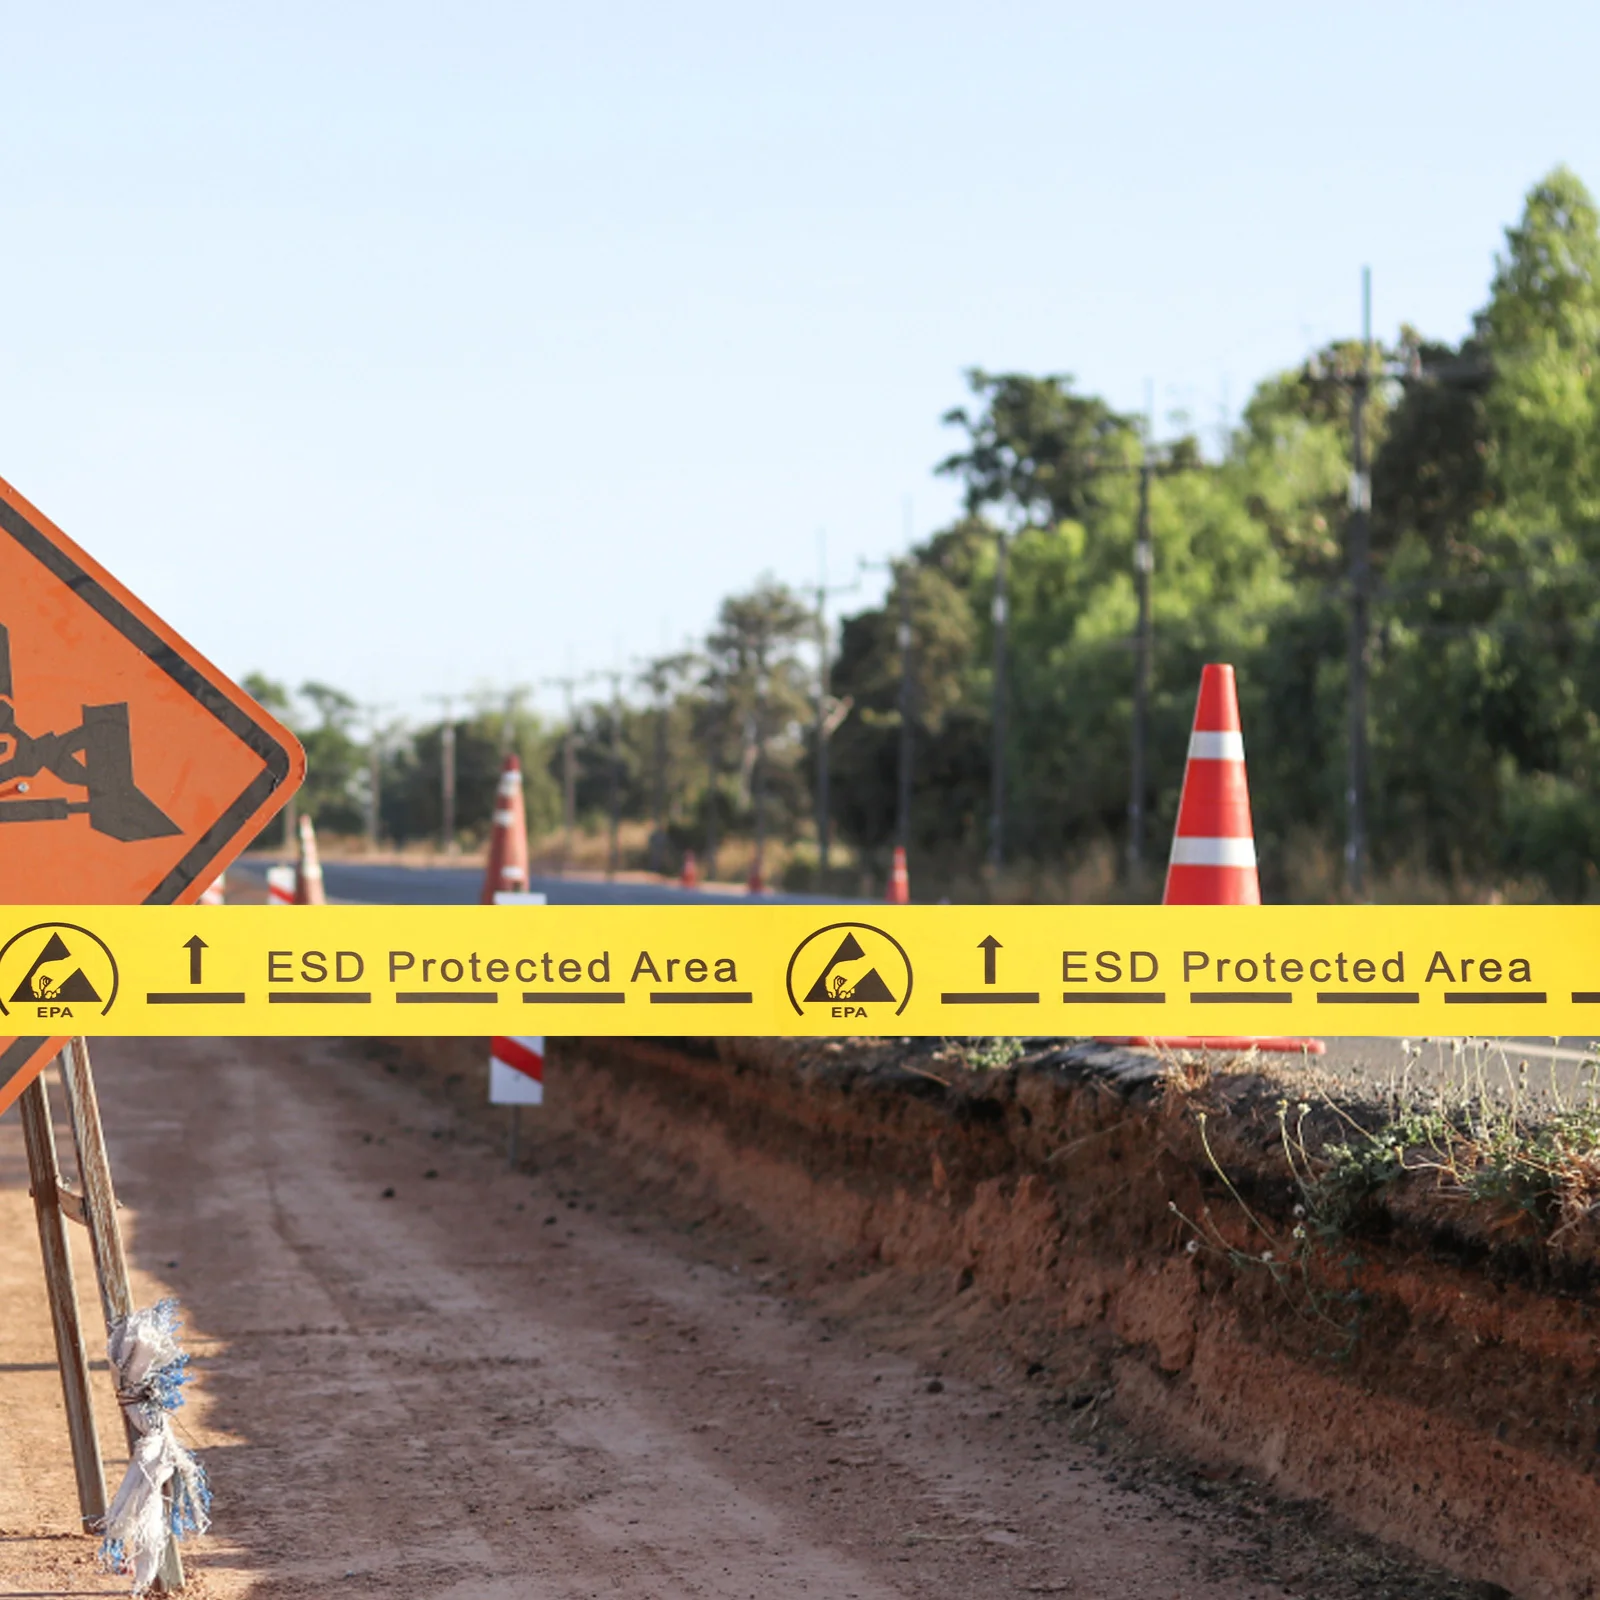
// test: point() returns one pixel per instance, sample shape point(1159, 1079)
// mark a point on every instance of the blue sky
point(423, 348)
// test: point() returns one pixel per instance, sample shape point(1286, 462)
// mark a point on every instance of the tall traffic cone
point(507, 868)
point(899, 892)
point(690, 878)
point(308, 869)
point(1213, 860)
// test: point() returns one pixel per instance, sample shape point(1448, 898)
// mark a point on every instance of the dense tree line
point(1485, 668)
point(1483, 656)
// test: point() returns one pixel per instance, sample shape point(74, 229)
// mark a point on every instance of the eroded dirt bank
point(421, 1374)
point(1434, 1386)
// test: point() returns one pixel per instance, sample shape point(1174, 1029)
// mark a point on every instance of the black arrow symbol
point(194, 946)
point(988, 945)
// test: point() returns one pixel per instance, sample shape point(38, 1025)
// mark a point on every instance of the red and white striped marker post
point(217, 894)
point(507, 869)
point(516, 1072)
point(899, 891)
point(1213, 861)
point(516, 1064)
point(280, 884)
point(308, 870)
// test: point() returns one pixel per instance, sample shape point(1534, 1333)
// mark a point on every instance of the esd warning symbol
point(56, 970)
point(849, 967)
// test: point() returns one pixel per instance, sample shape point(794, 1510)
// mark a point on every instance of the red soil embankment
point(1437, 1389)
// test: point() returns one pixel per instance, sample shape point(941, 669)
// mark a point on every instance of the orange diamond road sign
point(131, 770)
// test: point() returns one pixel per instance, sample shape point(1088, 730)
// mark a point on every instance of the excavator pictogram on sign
point(131, 770)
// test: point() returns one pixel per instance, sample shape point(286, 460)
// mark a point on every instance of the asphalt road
point(1545, 1070)
point(379, 883)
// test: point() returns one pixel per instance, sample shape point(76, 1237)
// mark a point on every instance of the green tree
point(1036, 448)
point(759, 687)
point(334, 795)
point(1541, 329)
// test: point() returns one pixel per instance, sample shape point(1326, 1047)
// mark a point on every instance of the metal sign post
point(131, 773)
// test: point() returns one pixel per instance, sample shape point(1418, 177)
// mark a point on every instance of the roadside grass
point(1481, 1152)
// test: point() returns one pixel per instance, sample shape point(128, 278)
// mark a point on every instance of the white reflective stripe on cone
point(1216, 747)
point(1213, 853)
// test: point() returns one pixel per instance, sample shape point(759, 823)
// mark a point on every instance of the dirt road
point(423, 1375)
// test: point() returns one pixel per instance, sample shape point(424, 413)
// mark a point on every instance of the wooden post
point(99, 1197)
point(71, 1355)
point(99, 1201)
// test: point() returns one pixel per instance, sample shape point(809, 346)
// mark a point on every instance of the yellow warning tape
point(784, 969)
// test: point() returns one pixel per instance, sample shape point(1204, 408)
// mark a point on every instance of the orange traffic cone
point(217, 894)
point(507, 868)
point(308, 869)
point(1213, 860)
point(899, 892)
point(755, 883)
point(690, 878)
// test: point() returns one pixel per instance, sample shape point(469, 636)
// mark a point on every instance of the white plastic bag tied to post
point(151, 1370)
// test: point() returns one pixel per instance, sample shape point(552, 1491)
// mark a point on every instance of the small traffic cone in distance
point(690, 877)
point(899, 891)
point(308, 869)
point(1213, 861)
point(507, 867)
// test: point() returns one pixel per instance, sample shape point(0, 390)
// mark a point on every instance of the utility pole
point(1143, 565)
point(614, 848)
point(447, 772)
point(374, 774)
point(905, 643)
point(569, 769)
point(508, 721)
point(997, 759)
point(659, 676)
point(713, 731)
point(903, 639)
point(658, 833)
point(829, 715)
point(758, 775)
point(1360, 554)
